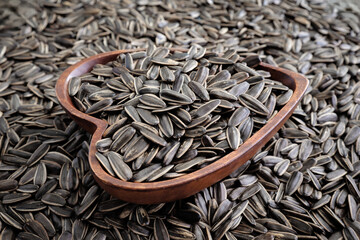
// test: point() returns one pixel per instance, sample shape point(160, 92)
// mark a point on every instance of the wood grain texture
point(189, 184)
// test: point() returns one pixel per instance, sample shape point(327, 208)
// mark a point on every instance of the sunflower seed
point(121, 169)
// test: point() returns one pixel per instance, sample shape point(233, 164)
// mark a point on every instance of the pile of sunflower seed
point(171, 113)
point(304, 184)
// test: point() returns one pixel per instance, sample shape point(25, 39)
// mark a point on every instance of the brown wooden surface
point(189, 184)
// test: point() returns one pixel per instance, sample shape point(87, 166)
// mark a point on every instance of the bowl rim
point(190, 183)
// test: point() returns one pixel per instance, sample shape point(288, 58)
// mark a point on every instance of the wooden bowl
point(189, 184)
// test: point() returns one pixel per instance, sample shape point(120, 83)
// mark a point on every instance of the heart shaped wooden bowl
point(189, 184)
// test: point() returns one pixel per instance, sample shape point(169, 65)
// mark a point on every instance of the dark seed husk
point(199, 90)
point(294, 182)
point(140, 147)
point(207, 108)
point(160, 230)
point(15, 197)
point(8, 184)
point(53, 199)
point(233, 137)
point(153, 137)
point(146, 172)
point(120, 168)
point(238, 116)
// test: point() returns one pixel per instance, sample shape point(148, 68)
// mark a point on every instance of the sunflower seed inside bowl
point(168, 115)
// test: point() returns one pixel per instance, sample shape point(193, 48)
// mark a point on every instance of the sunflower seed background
point(303, 185)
